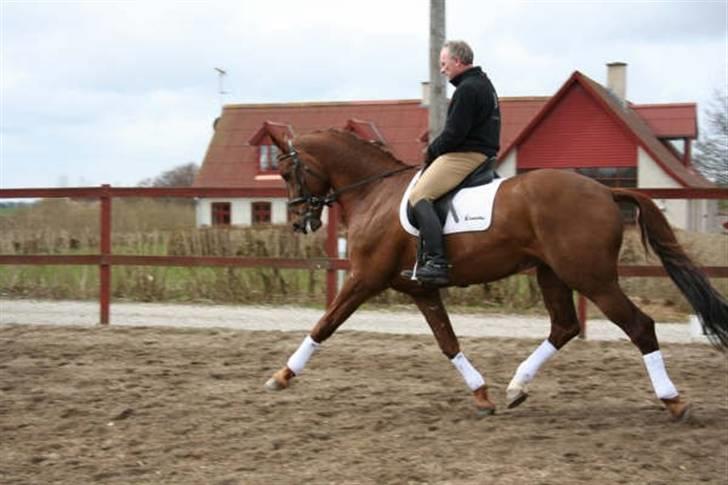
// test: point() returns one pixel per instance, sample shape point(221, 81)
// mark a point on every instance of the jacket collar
point(473, 71)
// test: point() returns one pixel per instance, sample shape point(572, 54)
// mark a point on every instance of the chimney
point(425, 94)
point(617, 79)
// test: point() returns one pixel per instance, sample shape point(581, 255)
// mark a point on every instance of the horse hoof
point(679, 409)
point(483, 404)
point(280, 380)
point(483, 412)
point(515, 397)
point(686, 414)
point(273, 385)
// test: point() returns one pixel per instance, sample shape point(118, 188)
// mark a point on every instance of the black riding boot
point(433, 267)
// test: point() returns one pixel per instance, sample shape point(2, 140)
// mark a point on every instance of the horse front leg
point(431, 306)
point(353, 293)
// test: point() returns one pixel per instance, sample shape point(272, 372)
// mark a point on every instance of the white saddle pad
point(474, 207)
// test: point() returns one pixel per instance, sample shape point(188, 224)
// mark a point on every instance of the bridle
point(314, 203)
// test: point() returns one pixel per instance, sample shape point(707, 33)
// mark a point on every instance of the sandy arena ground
point(164, 405)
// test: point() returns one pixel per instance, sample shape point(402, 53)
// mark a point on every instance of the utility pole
point(438, 86)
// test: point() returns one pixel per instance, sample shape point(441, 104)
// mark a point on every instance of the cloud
point(118, 91)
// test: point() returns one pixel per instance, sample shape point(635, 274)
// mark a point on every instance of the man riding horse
point(470, 137)
point(567, 227)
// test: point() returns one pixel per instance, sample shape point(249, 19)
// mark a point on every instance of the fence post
point(332, 229)
point(105, 250)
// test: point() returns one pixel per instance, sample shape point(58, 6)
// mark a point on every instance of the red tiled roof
point(231, 156)
point(231, 161)
point(677, 120)
point(515, 115)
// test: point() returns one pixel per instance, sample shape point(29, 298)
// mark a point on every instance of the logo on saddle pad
point(472, 208)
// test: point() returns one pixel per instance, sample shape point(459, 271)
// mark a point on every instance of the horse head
point(307, 186)
point(321, 167)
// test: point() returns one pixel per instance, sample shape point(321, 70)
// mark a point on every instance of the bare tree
point(711, 156)
point(180, 176)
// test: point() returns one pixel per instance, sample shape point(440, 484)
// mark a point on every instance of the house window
point(609, 176)
point(612, 176)
point(260, 212)
point(268, 158)
point(221, 213)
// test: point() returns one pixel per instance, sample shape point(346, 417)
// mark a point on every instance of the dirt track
point(187, 406)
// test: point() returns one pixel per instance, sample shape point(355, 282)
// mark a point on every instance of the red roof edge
point(663, 105)
point(273, 129)
point(367, 130)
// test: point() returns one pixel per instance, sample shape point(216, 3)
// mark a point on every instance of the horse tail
point(709, 305)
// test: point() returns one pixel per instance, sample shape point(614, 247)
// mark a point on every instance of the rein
point(316, 202)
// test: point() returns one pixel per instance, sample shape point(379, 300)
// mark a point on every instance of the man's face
point(450, 66)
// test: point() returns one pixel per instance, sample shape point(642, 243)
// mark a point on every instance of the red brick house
point(584, 127)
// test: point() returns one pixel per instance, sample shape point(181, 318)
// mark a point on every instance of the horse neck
point(346, 163)
point(346, 166)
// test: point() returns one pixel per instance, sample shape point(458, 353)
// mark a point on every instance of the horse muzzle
point(309, 222)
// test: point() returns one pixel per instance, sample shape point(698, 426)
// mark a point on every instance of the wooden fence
point(331, 264)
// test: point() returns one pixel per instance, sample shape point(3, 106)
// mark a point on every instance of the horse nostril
point(298, 227)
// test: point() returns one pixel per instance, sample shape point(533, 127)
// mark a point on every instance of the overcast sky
point(114, 92)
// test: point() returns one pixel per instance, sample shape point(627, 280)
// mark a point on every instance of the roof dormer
point(267, 150)
point(366, 130)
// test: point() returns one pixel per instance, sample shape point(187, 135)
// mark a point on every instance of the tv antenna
point(221, 73)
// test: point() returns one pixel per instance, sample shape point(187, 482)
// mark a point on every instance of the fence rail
point(331, 264)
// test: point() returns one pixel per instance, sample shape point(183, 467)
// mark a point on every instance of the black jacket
point(473, 118)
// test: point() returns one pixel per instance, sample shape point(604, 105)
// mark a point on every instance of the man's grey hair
point(460, 50)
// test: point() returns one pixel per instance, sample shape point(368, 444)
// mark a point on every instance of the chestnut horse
point(566, 226)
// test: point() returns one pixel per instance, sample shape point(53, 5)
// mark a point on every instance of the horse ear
point(280, 140)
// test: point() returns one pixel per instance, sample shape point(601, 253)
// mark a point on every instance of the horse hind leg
point(558, 299)
point(640, 329)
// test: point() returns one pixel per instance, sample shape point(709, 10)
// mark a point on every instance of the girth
point(484, 174)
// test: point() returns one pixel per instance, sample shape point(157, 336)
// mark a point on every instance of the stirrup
point(410, 274)
point(441, 278)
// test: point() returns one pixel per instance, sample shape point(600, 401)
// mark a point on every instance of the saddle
point(484, 174)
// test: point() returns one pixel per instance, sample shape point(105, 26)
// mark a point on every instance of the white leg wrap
point(664, 388)
point(472, 377)
point(529, 367)
point(299, 358)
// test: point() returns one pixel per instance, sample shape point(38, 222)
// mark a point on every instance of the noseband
point(314, 203)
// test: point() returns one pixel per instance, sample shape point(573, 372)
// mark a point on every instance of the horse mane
point(371, 148)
